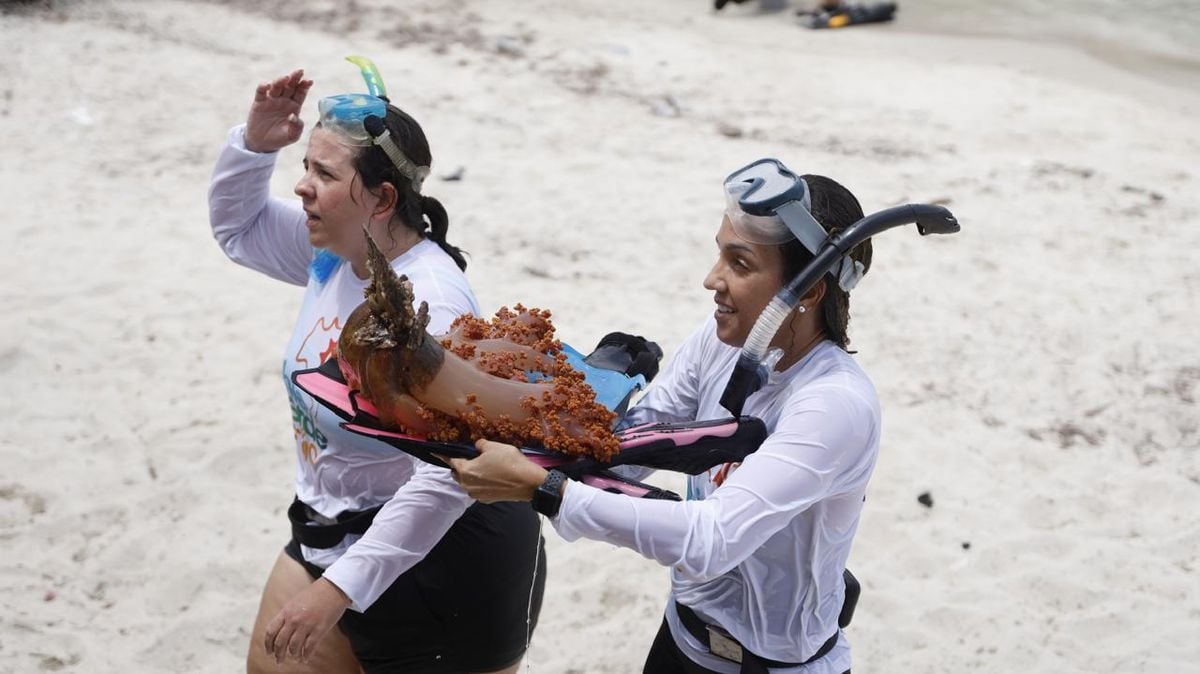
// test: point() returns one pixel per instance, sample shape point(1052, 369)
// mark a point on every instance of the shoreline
point(1090, 61)
point(1152, 52)
point(1098, 62)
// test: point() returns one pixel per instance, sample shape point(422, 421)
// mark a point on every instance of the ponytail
point(439, 223)
point(414, 210)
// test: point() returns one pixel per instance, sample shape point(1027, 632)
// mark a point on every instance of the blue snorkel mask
point(359, 119)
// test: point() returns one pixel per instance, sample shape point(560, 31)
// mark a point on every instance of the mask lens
point(753, 195)
point(345, 114)
point(766, 230)
point(764, 186)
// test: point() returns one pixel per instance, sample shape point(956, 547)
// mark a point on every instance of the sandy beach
point(1039, 372)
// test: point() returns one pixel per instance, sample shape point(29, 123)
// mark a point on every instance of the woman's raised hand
point(274, 120)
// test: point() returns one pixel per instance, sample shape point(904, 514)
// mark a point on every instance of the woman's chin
point(730, 336)
point(317, 239)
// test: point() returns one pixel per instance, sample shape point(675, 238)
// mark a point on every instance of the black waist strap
point(321, 535)
point(751, 663)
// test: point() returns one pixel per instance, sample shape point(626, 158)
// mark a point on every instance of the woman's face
point(744, 279)
point(333, 196)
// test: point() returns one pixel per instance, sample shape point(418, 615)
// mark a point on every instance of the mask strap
point(812, 235)
point(802, 224)
point(383, 138)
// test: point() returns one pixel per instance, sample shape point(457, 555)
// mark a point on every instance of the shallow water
point(1160, 38)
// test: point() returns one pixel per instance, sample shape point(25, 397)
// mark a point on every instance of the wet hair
point(422, 214)
point(836, 209)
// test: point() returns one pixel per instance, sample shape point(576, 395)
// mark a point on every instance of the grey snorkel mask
point(768, 204)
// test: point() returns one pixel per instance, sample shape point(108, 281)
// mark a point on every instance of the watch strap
point(548, 497)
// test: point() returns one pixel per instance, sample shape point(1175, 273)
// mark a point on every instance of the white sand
point(1039, 371)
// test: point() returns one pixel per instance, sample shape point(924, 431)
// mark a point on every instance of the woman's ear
point(387, 200)
point(812, 299)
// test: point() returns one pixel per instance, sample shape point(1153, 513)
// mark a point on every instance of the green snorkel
point(371, 75)
point(360, 119)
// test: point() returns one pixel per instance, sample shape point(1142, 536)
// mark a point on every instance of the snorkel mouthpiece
point(753, 365)
point(371, 75)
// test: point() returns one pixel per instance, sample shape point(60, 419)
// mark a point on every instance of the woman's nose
point(713, 280)
point(303, 188)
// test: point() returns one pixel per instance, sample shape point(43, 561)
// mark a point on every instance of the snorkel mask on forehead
point(359, 119)
point(769, 205)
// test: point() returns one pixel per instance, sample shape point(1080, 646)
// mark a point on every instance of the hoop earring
point(800, 309)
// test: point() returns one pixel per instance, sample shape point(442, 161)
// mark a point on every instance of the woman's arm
point(674, 396)
point(403, 532)
point(811, 455)
point(815, 451)
point(267, 235)
point(423, 508)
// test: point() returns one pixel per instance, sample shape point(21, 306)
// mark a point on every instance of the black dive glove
point(629, 354)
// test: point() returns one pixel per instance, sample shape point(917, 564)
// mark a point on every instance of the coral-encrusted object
point(473, 382)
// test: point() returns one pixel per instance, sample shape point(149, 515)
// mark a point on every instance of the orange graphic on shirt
point(309, 450)
point(326, 327)
point(329, 351)
point(723, 473)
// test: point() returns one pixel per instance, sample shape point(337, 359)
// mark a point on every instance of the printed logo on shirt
point(716, 477)
point(309, 439)
point(322, 329)
point(722, 473)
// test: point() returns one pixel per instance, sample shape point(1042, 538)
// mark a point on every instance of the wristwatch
point(548, 497)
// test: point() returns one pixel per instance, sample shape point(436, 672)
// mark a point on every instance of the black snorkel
point(750, 372)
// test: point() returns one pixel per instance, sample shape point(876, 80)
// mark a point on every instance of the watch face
point(548, 497)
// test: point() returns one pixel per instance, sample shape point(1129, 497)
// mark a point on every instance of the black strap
point(751, 663)
point(853, 589)
point(320, 535)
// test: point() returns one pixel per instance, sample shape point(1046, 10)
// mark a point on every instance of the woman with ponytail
point(385, 547)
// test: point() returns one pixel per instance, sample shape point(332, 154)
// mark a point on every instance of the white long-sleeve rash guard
point(758, 548)
point(336, 470)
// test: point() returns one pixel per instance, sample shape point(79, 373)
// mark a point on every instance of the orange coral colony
point(472, 382)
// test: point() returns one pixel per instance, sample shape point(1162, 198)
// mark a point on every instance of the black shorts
point(464, 607)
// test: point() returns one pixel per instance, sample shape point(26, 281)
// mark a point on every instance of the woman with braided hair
point(758, 550)
point(383, 546)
